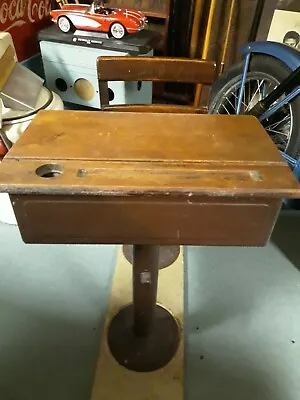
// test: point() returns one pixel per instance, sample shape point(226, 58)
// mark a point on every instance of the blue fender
point(287, 55)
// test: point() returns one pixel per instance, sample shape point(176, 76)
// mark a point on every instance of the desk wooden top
point(126, 153)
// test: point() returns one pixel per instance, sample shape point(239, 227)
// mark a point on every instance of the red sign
point(3, 150)
point(23, 19)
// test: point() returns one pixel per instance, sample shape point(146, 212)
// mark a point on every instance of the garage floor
point(242, 318)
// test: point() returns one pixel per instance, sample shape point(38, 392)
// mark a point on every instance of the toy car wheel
point(117, 30)
point(65, 25)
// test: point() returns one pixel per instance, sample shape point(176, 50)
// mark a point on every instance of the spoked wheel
point(265, 73)
point(65, 25)
point(117, 31)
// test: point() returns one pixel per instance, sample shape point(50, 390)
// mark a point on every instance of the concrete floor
point(242, 318)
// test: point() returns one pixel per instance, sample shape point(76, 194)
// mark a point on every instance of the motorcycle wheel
point(265, 73)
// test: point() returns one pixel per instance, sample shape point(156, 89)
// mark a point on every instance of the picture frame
point(285, 28)
point(268, 13)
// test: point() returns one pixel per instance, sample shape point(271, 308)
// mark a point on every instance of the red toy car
point(95, 17)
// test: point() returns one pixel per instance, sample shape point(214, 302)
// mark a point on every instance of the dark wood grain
point(139, 178)
point(125, 153)
point(147, 180)
point(156, 108)
point(146, 6)
point(157, 219)
point(155, 69)
point(94, 136)
point(145, 280)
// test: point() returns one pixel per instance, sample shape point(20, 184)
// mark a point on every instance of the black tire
point(269, 66)
point(72, 27)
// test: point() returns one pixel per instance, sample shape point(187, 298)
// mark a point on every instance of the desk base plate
point(162, 384)
point(143, 354)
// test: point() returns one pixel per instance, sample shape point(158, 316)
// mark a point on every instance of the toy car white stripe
point(83, 21)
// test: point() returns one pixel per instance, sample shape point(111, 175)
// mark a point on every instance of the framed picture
point(270, 11)
point(285, 28)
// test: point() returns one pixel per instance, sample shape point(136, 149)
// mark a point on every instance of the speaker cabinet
point(70, 67)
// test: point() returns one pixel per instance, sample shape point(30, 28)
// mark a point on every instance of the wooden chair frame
point(155, 69)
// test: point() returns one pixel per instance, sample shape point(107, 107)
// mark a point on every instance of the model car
point(95, 17)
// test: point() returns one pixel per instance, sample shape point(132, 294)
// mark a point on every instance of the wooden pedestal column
point(166, 257)
point(144, 336)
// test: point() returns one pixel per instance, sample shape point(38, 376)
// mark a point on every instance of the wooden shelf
point(155, 14)
point(149, 8)
point(154, 26)
point(161, 28)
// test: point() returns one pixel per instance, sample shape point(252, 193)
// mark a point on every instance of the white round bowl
point(14, 123)
point(7, 214)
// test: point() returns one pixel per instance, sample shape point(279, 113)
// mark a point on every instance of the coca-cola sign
point(23, 18)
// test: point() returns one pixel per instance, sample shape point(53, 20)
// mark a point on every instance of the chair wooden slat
point(156, 69)
point(156, 108)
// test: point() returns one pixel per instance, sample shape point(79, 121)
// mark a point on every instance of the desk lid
point(122, 153)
